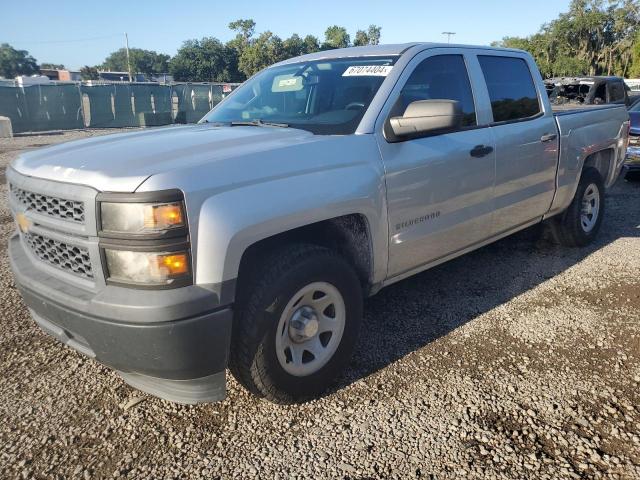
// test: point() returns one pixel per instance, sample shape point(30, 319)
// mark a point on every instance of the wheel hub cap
point(310, 329)
point(590, 208)
point(303, 325)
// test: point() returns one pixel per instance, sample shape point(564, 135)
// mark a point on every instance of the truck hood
point(121, 162)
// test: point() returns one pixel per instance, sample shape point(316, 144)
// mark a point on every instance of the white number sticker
point(367, 71)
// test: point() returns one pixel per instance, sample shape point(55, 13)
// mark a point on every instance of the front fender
point(232, 221)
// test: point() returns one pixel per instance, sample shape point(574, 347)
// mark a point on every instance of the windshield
point(325, 97)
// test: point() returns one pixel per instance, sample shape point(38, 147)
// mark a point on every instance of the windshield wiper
point(258, 123)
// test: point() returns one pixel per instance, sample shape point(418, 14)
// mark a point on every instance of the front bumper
point(172, 343)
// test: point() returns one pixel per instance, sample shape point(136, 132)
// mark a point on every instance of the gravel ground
point(521, 360)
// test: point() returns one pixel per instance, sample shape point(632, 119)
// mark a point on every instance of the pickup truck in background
point(571, 91)
point(632, 163)
point(251, 239)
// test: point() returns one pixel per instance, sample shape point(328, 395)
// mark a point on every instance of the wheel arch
point(349, 235)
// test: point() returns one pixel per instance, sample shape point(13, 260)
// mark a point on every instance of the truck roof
point(586, 78)
point(382, 50)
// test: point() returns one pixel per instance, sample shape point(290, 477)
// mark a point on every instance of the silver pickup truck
point(250, 240)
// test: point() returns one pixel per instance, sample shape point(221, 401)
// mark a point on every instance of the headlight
point(144, 239)
point(141, 218)
point(148, 268)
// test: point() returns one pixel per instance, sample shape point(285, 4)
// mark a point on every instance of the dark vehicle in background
point(632, 163)
point(587, 91)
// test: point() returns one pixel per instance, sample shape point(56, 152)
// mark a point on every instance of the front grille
point(66, 257)
point(56, 207)
point(634, 140)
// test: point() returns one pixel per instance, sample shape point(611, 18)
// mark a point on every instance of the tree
point(591, 38)
point(634, 70)
point(336, 37)
point(295, 45)
point(205, 60)
point(361, 39)
point(51, 66)
point(311, 44)
point(16, 62)
point(89, 73)
point(143, 61)
point(264, 51)
point(245, 28)
point(370, 37)
point(374, 34)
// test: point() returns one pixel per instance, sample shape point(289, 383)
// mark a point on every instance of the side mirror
point(426, 116)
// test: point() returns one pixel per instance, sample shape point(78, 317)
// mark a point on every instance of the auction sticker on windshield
point(367, 71)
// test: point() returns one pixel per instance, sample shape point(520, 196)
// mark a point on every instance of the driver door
point(440, 186)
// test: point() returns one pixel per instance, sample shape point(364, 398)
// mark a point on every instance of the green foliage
point(142, 61)
point(245, 55)
point(89, 73)
point(634, 70)
point(593, 38)
point(336, 37)
point(16, 62)
point(51, 66)
point(244, 28)
point(370, 37)
point(295, 46)
point(205, 60)
point(264, 51)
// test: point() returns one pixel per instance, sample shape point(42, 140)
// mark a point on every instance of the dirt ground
point(520, 360)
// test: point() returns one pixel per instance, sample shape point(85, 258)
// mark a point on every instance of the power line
point(62, 41)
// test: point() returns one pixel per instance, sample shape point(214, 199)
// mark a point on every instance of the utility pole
point(126, 39)
point(448, 34)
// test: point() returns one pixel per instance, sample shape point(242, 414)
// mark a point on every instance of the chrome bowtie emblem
point(23, 222)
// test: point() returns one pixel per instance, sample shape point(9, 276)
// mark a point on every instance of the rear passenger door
point(525, 138)
point(439, 186)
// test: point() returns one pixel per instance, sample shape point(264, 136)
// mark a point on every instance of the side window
point(616, 92)
point(512, 92)
point(443, 77)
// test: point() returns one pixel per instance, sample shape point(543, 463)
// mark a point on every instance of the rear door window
point(512, 92)
point(616, 92)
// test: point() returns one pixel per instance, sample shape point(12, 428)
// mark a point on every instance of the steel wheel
point(590, 207)
point(310, 329)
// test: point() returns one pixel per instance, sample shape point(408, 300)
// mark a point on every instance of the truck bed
point(569, 108)
point(583, 130)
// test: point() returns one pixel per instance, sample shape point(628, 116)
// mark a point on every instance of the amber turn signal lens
point(158, 217)
point(147, 268)
point(174, 264)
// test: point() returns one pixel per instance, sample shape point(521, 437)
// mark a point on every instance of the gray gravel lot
point(521, 360)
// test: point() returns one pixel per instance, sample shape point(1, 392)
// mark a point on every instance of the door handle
point(480, 151)
point(548, 137)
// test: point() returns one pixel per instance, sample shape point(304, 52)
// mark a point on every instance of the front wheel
point(579, 224)
point(296, 324)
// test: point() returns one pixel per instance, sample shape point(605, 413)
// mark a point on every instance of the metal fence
point(64, 106)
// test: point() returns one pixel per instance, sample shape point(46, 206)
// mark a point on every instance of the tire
point(572, 228)
point(265, 338)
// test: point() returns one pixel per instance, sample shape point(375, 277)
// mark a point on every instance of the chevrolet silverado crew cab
point(250, 240)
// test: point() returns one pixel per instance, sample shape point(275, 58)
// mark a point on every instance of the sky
point(76, 33)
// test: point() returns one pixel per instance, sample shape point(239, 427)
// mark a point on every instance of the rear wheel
point(296, 325)
point(579, 224)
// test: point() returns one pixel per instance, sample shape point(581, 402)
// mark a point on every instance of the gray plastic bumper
point(181, 359)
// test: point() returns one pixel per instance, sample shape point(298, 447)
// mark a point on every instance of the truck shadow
point(411, 314)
